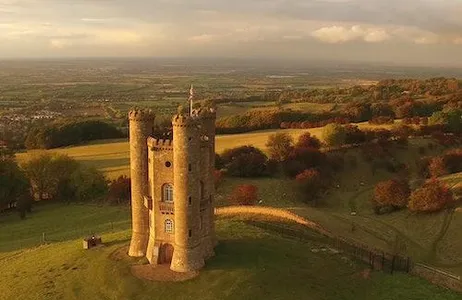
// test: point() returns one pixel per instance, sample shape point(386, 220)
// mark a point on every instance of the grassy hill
point(112, 156)
point(250, 263)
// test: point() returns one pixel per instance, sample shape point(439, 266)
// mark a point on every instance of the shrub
point(431, 197)
point(334, 134)
point(391, 195)
point(119, 190)
point(245, 161)
point(245, 194)
point(279, 146)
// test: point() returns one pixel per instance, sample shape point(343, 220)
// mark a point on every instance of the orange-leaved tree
point(391, 194)
point(245, 194)
point(432, 196)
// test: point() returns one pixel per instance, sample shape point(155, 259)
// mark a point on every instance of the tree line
point(55, 177)
point(68, 133)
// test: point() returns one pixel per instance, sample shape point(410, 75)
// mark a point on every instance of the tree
point(49, 173)
point(310, 184)
point(245, 194)
point(279, 146)
point(301, 159)
point(119, 190)
point(390, 195)
point(87, 184)
point(245, 161)
point(437, 167)
point(431, 197)
point(333, 134)
point(14, 186)
point(308, 141)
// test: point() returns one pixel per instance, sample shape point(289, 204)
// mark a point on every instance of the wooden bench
point(92, 241)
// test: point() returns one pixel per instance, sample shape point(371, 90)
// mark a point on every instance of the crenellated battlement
point(141, 115)
point(181, 120)
point(160, 144)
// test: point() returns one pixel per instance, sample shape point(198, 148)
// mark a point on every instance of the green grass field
point(250, 263)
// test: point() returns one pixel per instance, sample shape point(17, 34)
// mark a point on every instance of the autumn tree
point(390, 195)
point(307, 141)
point(431, 197)
point(279, 146)
point(245, 194)
point(301, 159)
point(310, 184)
point(437, 167)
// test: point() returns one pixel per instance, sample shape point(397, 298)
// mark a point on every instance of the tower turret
point(187, 255)
point(141, 125)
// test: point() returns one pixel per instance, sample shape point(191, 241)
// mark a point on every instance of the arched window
point(167, 192)
point(168, 226)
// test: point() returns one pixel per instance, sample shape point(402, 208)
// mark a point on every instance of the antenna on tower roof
point(191, 97)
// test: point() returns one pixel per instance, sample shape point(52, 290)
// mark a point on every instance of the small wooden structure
point(92, 241)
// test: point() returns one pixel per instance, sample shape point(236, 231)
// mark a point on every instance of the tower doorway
point(166, 254)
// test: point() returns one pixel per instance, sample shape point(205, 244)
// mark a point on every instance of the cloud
point(341, 34)
point(282, 28)
point(202, 38)
point(60, 43)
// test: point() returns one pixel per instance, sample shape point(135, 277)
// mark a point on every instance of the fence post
point(43, 238)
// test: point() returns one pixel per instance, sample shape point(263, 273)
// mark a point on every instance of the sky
point(399, 31)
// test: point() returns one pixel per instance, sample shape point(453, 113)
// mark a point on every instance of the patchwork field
point(250, 263)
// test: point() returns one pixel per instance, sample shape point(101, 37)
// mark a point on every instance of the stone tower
point(178, 192)
point(141, 124)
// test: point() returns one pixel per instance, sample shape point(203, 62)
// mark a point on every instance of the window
point(189, 168)
point(189, 200)
point(168, 226)
point(167, 192)
point(168, 164)
point(190, 233)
